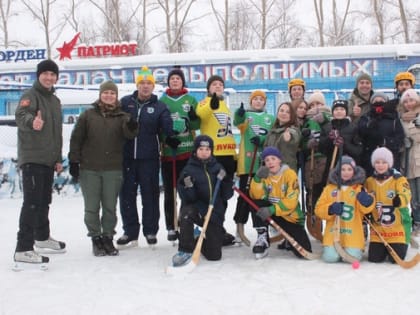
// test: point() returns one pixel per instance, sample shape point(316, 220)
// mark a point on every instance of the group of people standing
point(118, 147)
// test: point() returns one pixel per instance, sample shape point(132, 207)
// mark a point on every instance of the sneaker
point(125, 240)
point(151, 239)
point(108, 246)
point(50, 245)
point(98, 247)
point(30, 256)
point(172, 235)
point(261, 246)
point(181, 258)
point(416, 229)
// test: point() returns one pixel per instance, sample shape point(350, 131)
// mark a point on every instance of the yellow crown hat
point(145, 74)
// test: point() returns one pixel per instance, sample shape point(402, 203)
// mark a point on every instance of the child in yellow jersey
point(351, 202)
point(275, 189)
point(391, 217)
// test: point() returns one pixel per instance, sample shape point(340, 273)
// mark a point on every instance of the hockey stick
point(174, 191)
point(336, 228)
point(240, 226)
point(195, 258)
point(334, 156)
point(313, 223)
point(403, 263)
point(306, 254)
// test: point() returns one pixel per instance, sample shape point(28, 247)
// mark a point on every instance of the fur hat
point(410, 93)
point(340, 103)
point(271, 151)
point(257, 93)
point(379, 94)
point(203, 141)
point(214, 78)
point(317, 96)
point(108, 85)
point(145, 75)
point(179, 72)
point(363, 76)
point(382, 153)
point(46, 65)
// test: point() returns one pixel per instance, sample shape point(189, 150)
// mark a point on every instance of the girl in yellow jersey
point(391, 217)
point(349, 201)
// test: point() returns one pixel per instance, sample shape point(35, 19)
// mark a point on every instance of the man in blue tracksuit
point(141, 160)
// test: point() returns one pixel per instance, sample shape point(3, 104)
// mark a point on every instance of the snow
point(135, 282)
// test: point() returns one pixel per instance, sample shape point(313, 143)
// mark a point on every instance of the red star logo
point(65, 50)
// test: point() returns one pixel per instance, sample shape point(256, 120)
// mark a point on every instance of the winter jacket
point(288, 149)
point(252, 124)
point(412, 152)
point(98, 138)
point(204, 176)
point(43, 146)
point(393, 222)
point(154, 118)
point(179, 106)
point(282, 191)
point(217, 124)
point(381, 127)
point(351, 227)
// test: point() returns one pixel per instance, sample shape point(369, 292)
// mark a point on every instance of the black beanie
point(46, 65)
point(340, 103)
point(214, 78)
point(203, 141)
point(177, 71)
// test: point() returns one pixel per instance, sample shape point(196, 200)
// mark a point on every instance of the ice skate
point(126, 241)
point(261, 246)
point(29, 260)
point(173, 236)
point(50, 246)
point(151, 240)
point(230, 240)
point(181, 258)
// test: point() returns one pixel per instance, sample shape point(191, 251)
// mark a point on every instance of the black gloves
point(188, 181)
point(241, 110)
point(74, 170)
point(264, 213)
point(192, 114)
point(132, 124)
point(263, 172)
point(364, 198)
point(396, 201)
point(335, 137)
point(214, 101)
point(336, 208)
point(173, 142)
point(255, 140)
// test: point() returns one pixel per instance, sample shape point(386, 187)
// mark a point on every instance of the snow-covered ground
point(135, 283)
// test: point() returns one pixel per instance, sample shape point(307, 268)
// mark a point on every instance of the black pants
point(167, 178)
point(213, 242)
point(37, 181)
point(378, 252)
point(296, 231)
point(242, 207)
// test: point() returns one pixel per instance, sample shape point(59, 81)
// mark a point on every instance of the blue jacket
point(204, 176)
point(154, 118)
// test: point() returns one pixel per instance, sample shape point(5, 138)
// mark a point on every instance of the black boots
point(103, 245)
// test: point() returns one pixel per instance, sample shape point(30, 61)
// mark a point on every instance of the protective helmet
point(405, 76)
point(295, 82)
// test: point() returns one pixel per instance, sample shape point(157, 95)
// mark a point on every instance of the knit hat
point(340, 103)
point(379, 94)
point(410, 93)
point(203, 141)
point(257, 93)
point(108, 85)
point(363, 76)
point(382, 153)
point(317, 96)
point(346, 159)
point(46, 65)
point(179, 72)
point(271, 151)
point(145, 75)
point(214, 78)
